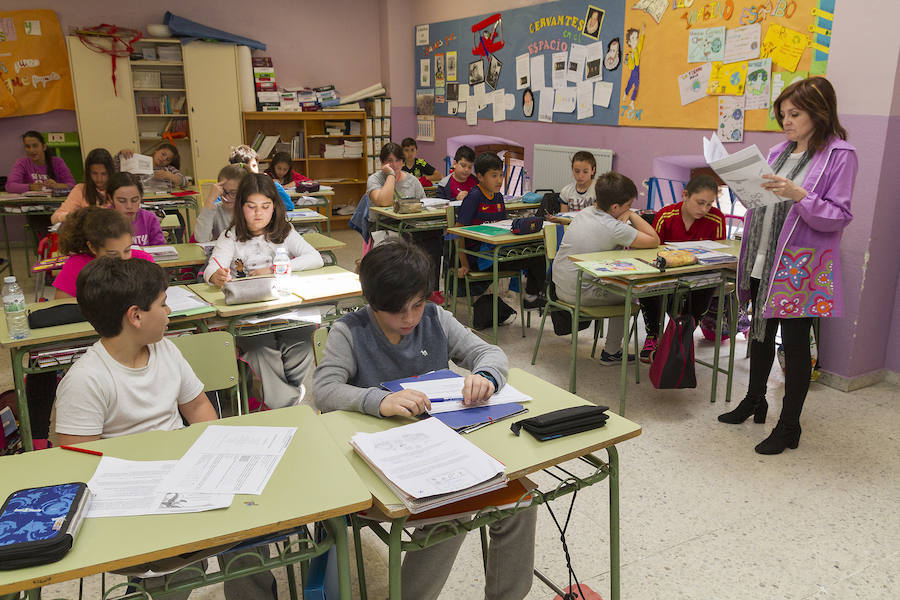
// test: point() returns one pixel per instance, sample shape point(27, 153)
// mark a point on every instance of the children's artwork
point(612, 267)
point(523, 77)
point(545, 108)
point(757, 91)
point(780, 80)
point(742, 43)
point(559, 62)
point(527, 103)
point(593, 21)
point(784, 46)
point(594, 62)
point(451, 66)
point(439, 75)
point(480, 95)
point(476, 72)
point(425, 102)
point(499, 102)
point(706, 44)
point(538, 78)
point(612, 58)
point(439, 95)
point(727, 80)
point(584, 97)
point(452, 92)
point(463, 94)
point(602, 93)
point(634, 41)
point(655, 8)
point(731, 119)
point(577, 56)
point(471, 113)
point(692, 84)
point(421, 35)
point(493, 74)
point(452, 107)
point(424, 72)
point(565, 100)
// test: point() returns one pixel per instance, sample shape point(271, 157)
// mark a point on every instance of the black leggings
point(797, 358)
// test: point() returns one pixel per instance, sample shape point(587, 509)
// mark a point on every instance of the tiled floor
point(702, 515)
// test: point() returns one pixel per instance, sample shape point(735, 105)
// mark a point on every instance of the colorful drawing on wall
point(593, 21)
point(784, 46)
point(476, 72)
point(780, 80)
point(655, 8)
point(634, 41)
point(439, 74)
point(488, 36)
point(731, 119)
point(706, 44)
point(742, 43)
point(34, 64)
point(692, 85)
point(759, 80)
point(611, 60)
point(493, 74)
point(727, 80)
point(451, 66)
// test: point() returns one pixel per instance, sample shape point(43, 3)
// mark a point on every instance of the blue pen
point(446, 399)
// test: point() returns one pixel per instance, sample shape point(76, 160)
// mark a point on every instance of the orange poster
point(34, 64)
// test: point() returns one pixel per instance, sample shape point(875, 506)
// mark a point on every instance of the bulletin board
point(714, 65)
point(521, 43)
point(34, 64)
point(794, 34)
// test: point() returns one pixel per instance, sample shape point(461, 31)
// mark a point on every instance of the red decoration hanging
point(121, 43)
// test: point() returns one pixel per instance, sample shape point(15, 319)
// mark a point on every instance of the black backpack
point(483, 312)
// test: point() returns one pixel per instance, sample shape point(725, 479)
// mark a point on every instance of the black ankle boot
point(781, 437)
point(748, 406)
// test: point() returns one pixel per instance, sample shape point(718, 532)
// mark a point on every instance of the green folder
point(487, 229)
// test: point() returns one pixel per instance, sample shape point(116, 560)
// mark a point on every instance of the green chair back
point(213, 357)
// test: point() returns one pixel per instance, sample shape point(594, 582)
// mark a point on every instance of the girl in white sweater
point(246, 249)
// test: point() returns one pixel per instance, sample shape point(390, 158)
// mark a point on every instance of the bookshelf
point(378, 126)
point(346, 175)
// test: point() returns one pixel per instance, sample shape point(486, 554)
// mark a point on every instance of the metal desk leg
point(394, 560)
point(6, 242)
point(337, 527)
point(15, 355)
point(615, 583)
point(717, 342)
point(623, 382)
point(572, 370)
point(495, 272)
point(733, 313)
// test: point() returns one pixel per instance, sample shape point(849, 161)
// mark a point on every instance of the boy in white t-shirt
point(133, 380)
point(580, 193)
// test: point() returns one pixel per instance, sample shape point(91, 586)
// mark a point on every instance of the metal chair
point(213, 357)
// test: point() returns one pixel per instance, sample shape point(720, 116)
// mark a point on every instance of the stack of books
point(353, 148)
point(332, 150)
point(327, 96)
point(160, 252)
point(267, 97)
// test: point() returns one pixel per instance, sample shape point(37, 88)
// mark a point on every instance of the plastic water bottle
point(14, 307)
point(282, 266)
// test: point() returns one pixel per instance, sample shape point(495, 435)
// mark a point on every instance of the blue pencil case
point(38, 525)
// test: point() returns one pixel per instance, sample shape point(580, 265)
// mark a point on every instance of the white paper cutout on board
point(558, 64)
point(706, 44)
point(731, 118)
point(742, 43)
point(421, 35)
point(577, 57)
point(565, 100)
point(424, 73)
point(472, 113)
point(498, 98)
point(603, 93)
point(593, 66)
point(584, 93)
point(545, 105)
point(538, 77)
point(759, 82)
point(523, 68)
point(692, 84)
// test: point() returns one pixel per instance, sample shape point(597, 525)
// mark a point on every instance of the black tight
point(798, 362)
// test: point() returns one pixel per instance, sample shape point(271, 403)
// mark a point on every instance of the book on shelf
point(297, 146)
point(150, 105)
point(257, 140)
point(267, 145)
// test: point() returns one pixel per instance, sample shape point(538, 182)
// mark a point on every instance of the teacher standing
point(790, 252)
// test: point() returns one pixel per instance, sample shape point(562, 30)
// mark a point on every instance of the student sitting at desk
point(245, 155)
point(608, 225)
point(39, 169)
point(281, 169)
point(133, 379)
point(419, 167)
point(484, 204)
point(694, 218)
point(166, 165)
point(400, 334)
point(460, 181)
point(218, 206)
point(246, 249)
point(98, 168)
point(580, 193)
point(126, 193)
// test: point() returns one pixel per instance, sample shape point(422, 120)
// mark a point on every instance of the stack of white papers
point(742, 171)
point(312, 287)
point(180, 299)
point(160, 252)
point(427, 464)
point(435, 203)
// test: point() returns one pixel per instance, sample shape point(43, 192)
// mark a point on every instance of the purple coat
point(806, 279)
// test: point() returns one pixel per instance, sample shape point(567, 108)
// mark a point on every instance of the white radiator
point(553, 165)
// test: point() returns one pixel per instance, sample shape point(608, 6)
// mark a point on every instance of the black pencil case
point(61, 314)
point(563, 422)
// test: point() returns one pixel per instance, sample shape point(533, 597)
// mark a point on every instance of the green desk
point(312, 482)
point(324, 244)
point(165, 202)
point(322, 198)
point(12, 205)
point(521, 455)
point(46, 337)
point(631, 294)
point(504, 248)
point(306, 220)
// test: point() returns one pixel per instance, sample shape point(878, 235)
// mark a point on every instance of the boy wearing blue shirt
point(484, 204)
point(399, 334)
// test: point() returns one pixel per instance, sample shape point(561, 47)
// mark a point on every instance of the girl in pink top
point(88, 233)
point(38, 169)
point(98, 168)
point(126, 193)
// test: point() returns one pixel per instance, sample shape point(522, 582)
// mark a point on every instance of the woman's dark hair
point(393, 273)
point(816, 96)
point(102, 157)
point(613, 188)
point(48, 154)
point(120, 180)
point(391, 149)
point(281, 157)
point(701, 182)
point(176, 158)
point(93, 225)
point(278, 228)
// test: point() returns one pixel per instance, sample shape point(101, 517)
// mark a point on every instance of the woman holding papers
point(790, 253)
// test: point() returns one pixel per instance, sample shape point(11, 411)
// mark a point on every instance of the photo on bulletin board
point(451, 66)
point(593, 20)
point(476, 72)
point(493, 74)
point(613, 55)
point(527, 103)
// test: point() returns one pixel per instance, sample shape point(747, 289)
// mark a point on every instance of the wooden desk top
point(317, 218)
point(312, 482)
point(496, 240)
point(188, 254)
point(216, 296)
point(319, 194)
point(521, 455)
point(387, 211)
point(322, 242)
point(649, 254)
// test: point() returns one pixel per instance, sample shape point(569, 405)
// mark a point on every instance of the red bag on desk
point(673, 361)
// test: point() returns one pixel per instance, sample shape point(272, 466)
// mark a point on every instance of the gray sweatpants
point(281, 360)
point(510, 564)
point(595, 296)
